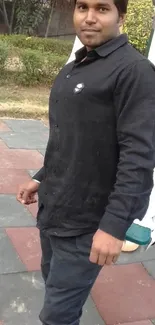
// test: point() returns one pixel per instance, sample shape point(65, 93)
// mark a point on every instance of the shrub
point(39, 68)
point(32, 62)
point(52, 45)
point(52, 65)
point(138, 27)
point(4, 51)
point(139, 23)
point(39, 60)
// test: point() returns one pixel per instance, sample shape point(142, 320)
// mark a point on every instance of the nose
point(91, 17)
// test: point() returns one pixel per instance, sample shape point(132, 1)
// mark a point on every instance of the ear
point(122, 18)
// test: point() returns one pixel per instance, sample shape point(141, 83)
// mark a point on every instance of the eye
point(103, 9)
point(81, 7)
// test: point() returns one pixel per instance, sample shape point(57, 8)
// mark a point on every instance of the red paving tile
point(33, 208)
point(21, 159)
point(4, 127)
point(10, 179)
point(144, 322)
point(125, 293)
point(27, 244)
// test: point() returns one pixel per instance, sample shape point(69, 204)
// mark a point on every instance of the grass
point(22, 102)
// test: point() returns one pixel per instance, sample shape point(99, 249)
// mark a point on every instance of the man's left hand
point(105, 248)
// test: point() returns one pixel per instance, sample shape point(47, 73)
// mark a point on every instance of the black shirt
point(98, 169)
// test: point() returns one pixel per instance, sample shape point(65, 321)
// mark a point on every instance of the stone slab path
point(123, 294)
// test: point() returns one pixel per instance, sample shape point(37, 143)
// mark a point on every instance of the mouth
point(87, 30)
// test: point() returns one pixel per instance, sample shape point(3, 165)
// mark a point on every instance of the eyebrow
point(98, 3)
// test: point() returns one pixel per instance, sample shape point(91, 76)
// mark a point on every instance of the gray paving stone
point(32, 172)
point(9, 260)
point(137, 256)
point(42, 151)
point(22, 295)
point(26, 125)
point(150, 267)
point(23, 140)
point(90, 314)
point(14, 214)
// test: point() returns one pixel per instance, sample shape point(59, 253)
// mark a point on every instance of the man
point(97, 174)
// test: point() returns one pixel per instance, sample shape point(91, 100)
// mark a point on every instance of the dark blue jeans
point(69, 277)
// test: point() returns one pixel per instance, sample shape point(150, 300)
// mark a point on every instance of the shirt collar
point(103, 50)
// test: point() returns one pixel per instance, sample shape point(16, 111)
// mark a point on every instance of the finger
point(19, 196)
point(102, 259)
point(25, 197)
point(30, 201)
point(109, 259)
point(93, 256)
point(33, 198)
point(115, 258)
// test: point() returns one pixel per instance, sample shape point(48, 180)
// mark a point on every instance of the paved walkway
point(123, 294)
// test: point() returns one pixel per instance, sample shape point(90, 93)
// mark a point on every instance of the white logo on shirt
point(79, 88)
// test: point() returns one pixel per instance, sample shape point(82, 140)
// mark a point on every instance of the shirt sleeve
point(134, 99)
point(39, 175)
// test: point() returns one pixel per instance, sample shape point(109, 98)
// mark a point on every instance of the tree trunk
point(5, 15)
point(50, 18)
point(1, 11)
point(12, 16)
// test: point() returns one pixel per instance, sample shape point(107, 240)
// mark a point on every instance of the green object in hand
point(138, 235)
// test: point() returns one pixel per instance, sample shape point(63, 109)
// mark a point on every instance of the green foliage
point(39, 60)
point(32, 62)
point(52, 65)
point(38, 68)
point(4, 51)
point(52, 45)
point(139, 23)
point(29, 14)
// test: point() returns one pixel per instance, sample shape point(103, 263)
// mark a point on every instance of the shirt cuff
point(36, 180)
point(114, 226)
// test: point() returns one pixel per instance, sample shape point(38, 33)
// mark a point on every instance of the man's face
point(96, 21)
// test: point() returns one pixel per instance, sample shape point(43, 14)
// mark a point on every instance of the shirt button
point(68, 76)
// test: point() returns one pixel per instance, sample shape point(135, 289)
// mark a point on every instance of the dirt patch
point(17, 101)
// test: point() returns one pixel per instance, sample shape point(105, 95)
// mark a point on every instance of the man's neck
point(105, 41)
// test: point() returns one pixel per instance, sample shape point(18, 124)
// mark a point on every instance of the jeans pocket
point(70, 266)
point(84, 243)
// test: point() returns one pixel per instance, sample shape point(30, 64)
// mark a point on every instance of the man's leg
point(46, 255)
point(70, 280)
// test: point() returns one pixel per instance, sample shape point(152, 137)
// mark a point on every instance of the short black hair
point(122, 5)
